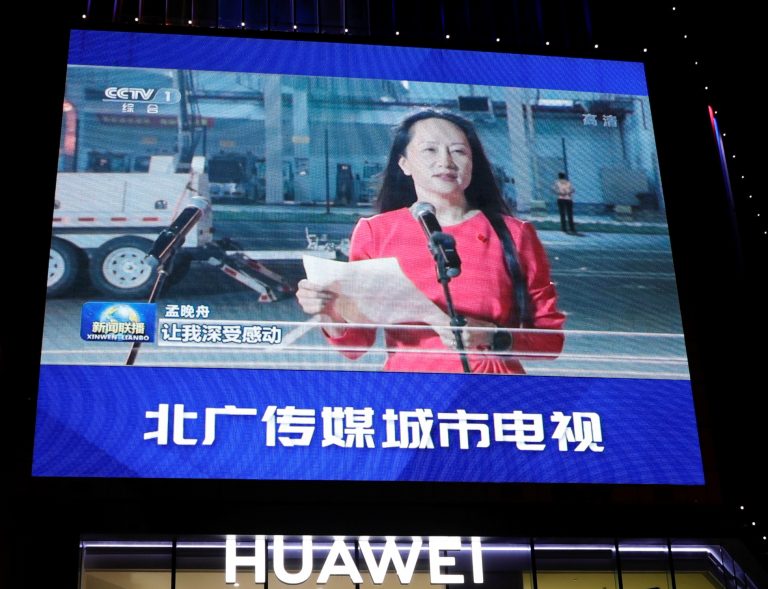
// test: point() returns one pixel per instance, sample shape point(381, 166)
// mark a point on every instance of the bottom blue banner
point(152, 422)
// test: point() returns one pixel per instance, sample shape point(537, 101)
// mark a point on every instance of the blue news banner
point(156, 422)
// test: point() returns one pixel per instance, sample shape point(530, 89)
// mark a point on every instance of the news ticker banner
point(222, 423)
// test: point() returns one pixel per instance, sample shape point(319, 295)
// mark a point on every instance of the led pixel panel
point(241, 287)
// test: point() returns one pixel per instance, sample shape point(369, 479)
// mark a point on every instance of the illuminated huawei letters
point(340, 559)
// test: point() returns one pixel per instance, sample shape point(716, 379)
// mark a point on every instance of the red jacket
point(483, 290)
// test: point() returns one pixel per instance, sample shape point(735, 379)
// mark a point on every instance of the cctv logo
point(133, 94)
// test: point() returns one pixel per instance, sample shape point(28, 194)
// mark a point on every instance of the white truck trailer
point(105, 223)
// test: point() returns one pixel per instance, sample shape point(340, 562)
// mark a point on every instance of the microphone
point(172, 237)
point(442, 245)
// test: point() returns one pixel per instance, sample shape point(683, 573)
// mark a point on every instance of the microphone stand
point(162, 274)
point(438, 242)
point(164, 249)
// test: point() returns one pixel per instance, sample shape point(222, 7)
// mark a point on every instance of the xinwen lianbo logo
point(118, 322)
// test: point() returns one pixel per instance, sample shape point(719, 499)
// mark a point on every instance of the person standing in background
point(564, 190)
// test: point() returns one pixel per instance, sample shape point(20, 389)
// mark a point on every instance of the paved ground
point(615, 283)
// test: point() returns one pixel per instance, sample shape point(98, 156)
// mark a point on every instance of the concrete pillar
point(301, 139)
point(273, 133)
point(521, 154)
point(640, 144)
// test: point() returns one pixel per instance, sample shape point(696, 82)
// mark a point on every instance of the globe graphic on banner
point(119, 314)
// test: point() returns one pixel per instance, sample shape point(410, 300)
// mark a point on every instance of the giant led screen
point(279, 259)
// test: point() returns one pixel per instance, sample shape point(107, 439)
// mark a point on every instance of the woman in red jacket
point(437, 158)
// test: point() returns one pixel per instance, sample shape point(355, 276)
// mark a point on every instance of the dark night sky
point(732, 60)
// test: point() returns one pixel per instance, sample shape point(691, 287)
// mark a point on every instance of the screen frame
point(689, 278)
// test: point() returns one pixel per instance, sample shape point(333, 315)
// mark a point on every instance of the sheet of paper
point(374, 291)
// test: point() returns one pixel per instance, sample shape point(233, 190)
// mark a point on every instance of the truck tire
point(119, 267)
point(64, 266)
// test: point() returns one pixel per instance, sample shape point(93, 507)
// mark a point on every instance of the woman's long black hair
point(397, 189)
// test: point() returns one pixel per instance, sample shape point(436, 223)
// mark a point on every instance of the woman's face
point(438, 158)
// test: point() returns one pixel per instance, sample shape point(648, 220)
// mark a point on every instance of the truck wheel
point(64, 265)
point(119, 268)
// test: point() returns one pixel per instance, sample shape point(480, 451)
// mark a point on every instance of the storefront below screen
point(352, 562)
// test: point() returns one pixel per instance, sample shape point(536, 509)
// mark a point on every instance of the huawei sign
point(400, 556)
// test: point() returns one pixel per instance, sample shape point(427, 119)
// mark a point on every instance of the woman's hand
point(316, 300)
point(478, 339)
point(473, 339)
